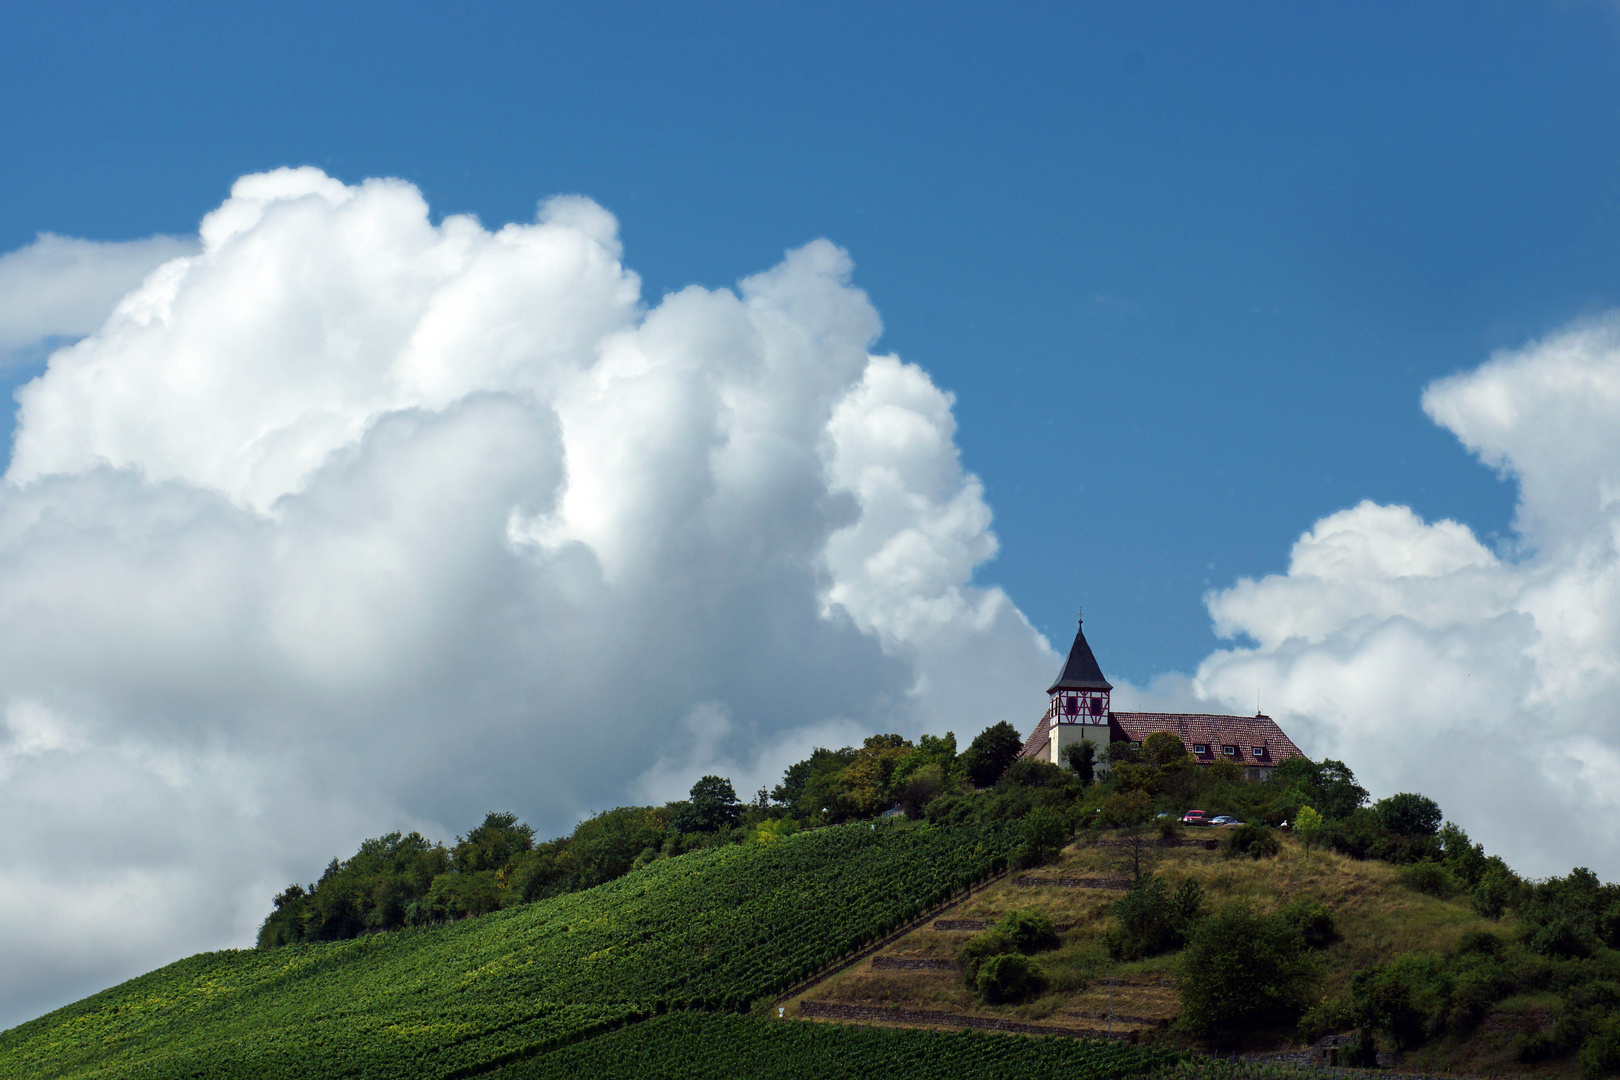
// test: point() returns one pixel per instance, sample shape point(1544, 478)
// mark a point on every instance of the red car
point(1195, 817)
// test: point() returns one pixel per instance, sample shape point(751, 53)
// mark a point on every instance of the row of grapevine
point(712, 930)
point(698, 1046)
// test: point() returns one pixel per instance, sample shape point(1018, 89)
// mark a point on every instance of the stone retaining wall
point(898, 1015)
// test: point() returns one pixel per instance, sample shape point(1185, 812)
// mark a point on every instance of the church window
point(1096, 706)
point(1071, 706)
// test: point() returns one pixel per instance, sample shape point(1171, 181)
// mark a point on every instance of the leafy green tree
point(1150, 920)
point(991, 751)
point(1045, 831)
point(1328, 785)
point(1307, 826)
point(1490, 897)
point(921, 788)
point(867, 781)
point(1467, 861)
point(713, 805)
point(811, 787)
point(1243, 972)
point(1082, 758)
point(606, 845)
point(1121, 752)
point(492, 845)
point(1409, 814)
point(1163, 749)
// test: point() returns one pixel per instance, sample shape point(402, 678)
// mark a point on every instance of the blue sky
point(1187, 269)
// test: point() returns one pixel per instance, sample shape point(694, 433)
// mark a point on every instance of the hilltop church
point(1079, 709)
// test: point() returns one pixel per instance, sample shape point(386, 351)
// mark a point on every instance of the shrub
point(1029, 932)
point(1152, 920)
point(1326, 1017)
point(1242, 972)
point(921, 788)
point(1490, 896)
point(1428, 876)
point(1564, 938)
point(1482, 942)
point(1033, 773)
point(773, 829)
point(1255, 841)
point(1313, 920)
point(979, 948)
point(1600, 1053)
point(1360, 1053)
point(1008, 978)
point(1409, 814)
point(1045, 831)
point(1389, 997)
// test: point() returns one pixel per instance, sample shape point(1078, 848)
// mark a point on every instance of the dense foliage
point(995, 963)
point(690, 1046)
point(714, 929)
point(1243, 972)
point(1150, 919)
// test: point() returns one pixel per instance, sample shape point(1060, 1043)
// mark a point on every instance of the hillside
point(1378, 920)
point(729, 936)
point(712, 930)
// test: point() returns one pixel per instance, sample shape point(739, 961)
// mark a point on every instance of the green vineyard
point(708, 1046)
point(713, 930)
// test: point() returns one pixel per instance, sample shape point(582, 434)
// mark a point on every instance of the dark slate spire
point(1080, 672)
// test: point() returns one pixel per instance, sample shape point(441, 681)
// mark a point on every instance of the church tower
point(1080, 693)
point(1079, 706)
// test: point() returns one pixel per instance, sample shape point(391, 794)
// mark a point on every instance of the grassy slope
point(1378, 918)
point(710, 929)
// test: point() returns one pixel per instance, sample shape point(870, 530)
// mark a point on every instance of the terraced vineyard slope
point(713, 930)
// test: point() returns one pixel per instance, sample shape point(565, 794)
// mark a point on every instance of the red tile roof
point(1038, 741)
point(1214, 733)
point(1246, 733)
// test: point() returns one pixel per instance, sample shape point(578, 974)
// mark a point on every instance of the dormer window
point(1259, 751)
point(1229, 751)
point(1201, 748)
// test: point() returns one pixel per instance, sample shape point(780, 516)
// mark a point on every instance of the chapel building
point(1079, 709)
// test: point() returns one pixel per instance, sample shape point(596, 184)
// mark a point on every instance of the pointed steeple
point(1080, 671)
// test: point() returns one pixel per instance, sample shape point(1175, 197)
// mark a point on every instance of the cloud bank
point(1489, 680)
point(61, 287)
point(344, 521)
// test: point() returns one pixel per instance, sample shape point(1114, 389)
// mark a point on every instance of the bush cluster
point(996, 963)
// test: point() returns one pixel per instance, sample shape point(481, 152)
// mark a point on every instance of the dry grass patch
point(1378, 919)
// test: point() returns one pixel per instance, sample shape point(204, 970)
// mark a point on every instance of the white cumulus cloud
point(62, 287)
point(1485, 679)
point(342, 521)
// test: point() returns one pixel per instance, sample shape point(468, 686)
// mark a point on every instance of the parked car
point(1222, 821)
point(1195, 817)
